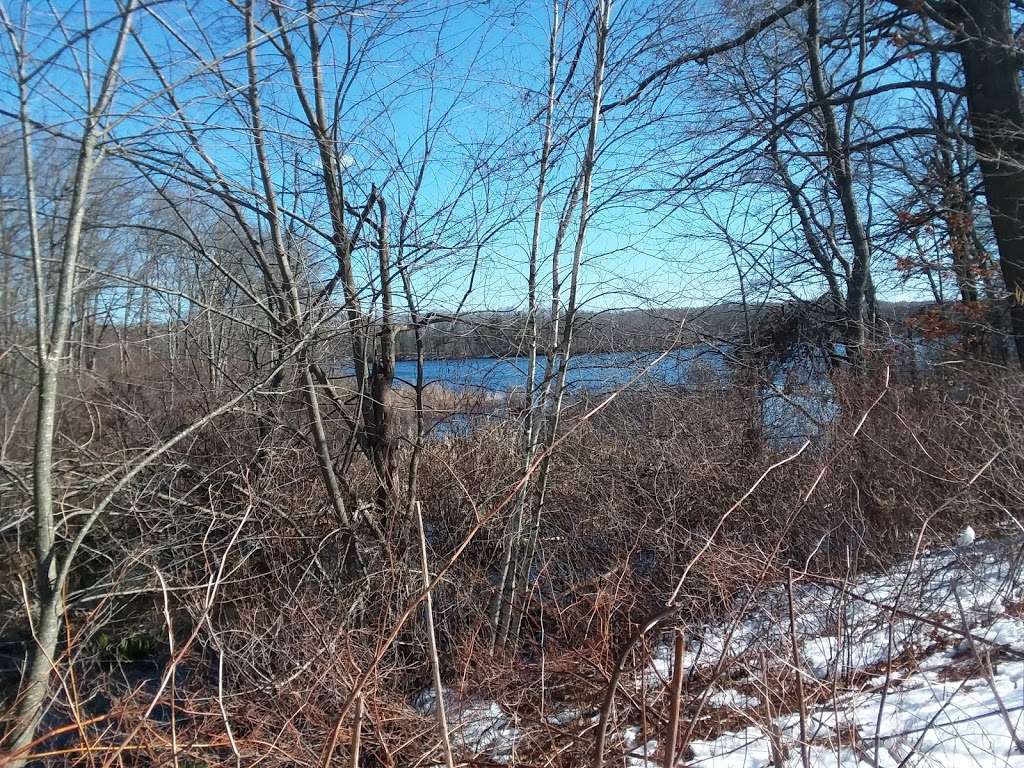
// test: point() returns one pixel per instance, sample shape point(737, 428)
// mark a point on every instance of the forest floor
point(922, 665)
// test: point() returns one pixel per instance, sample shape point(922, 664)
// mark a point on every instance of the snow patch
point(477, 726)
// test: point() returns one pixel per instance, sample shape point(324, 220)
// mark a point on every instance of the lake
point(592, 372)
point(796, 407)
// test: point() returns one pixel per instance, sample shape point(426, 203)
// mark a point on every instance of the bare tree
point(988, 50)
point(53, 307)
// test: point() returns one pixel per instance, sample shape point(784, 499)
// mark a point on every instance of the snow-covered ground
point(920, 666)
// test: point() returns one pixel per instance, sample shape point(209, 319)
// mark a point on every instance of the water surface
point(593, 372)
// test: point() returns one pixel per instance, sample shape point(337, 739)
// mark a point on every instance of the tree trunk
point(516, 542)
point(377, 411)
point(841, 171)
point(520, 576)
point(51, 348)
point(995, 108)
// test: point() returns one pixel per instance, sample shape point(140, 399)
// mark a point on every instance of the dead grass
point(634, 494)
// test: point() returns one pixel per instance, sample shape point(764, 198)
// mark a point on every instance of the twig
point(442, 719)
point(805, 758)
point(986, 671)
point(678, 674)
point(357, 731)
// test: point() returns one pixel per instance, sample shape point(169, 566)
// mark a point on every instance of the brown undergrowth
point(226, 564)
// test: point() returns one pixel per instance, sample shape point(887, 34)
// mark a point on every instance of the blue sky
point(473, 75)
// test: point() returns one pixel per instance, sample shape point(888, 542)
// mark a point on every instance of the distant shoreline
point(463, 358)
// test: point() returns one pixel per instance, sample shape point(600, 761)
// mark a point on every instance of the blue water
point(593, 372)
point(798, 406)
